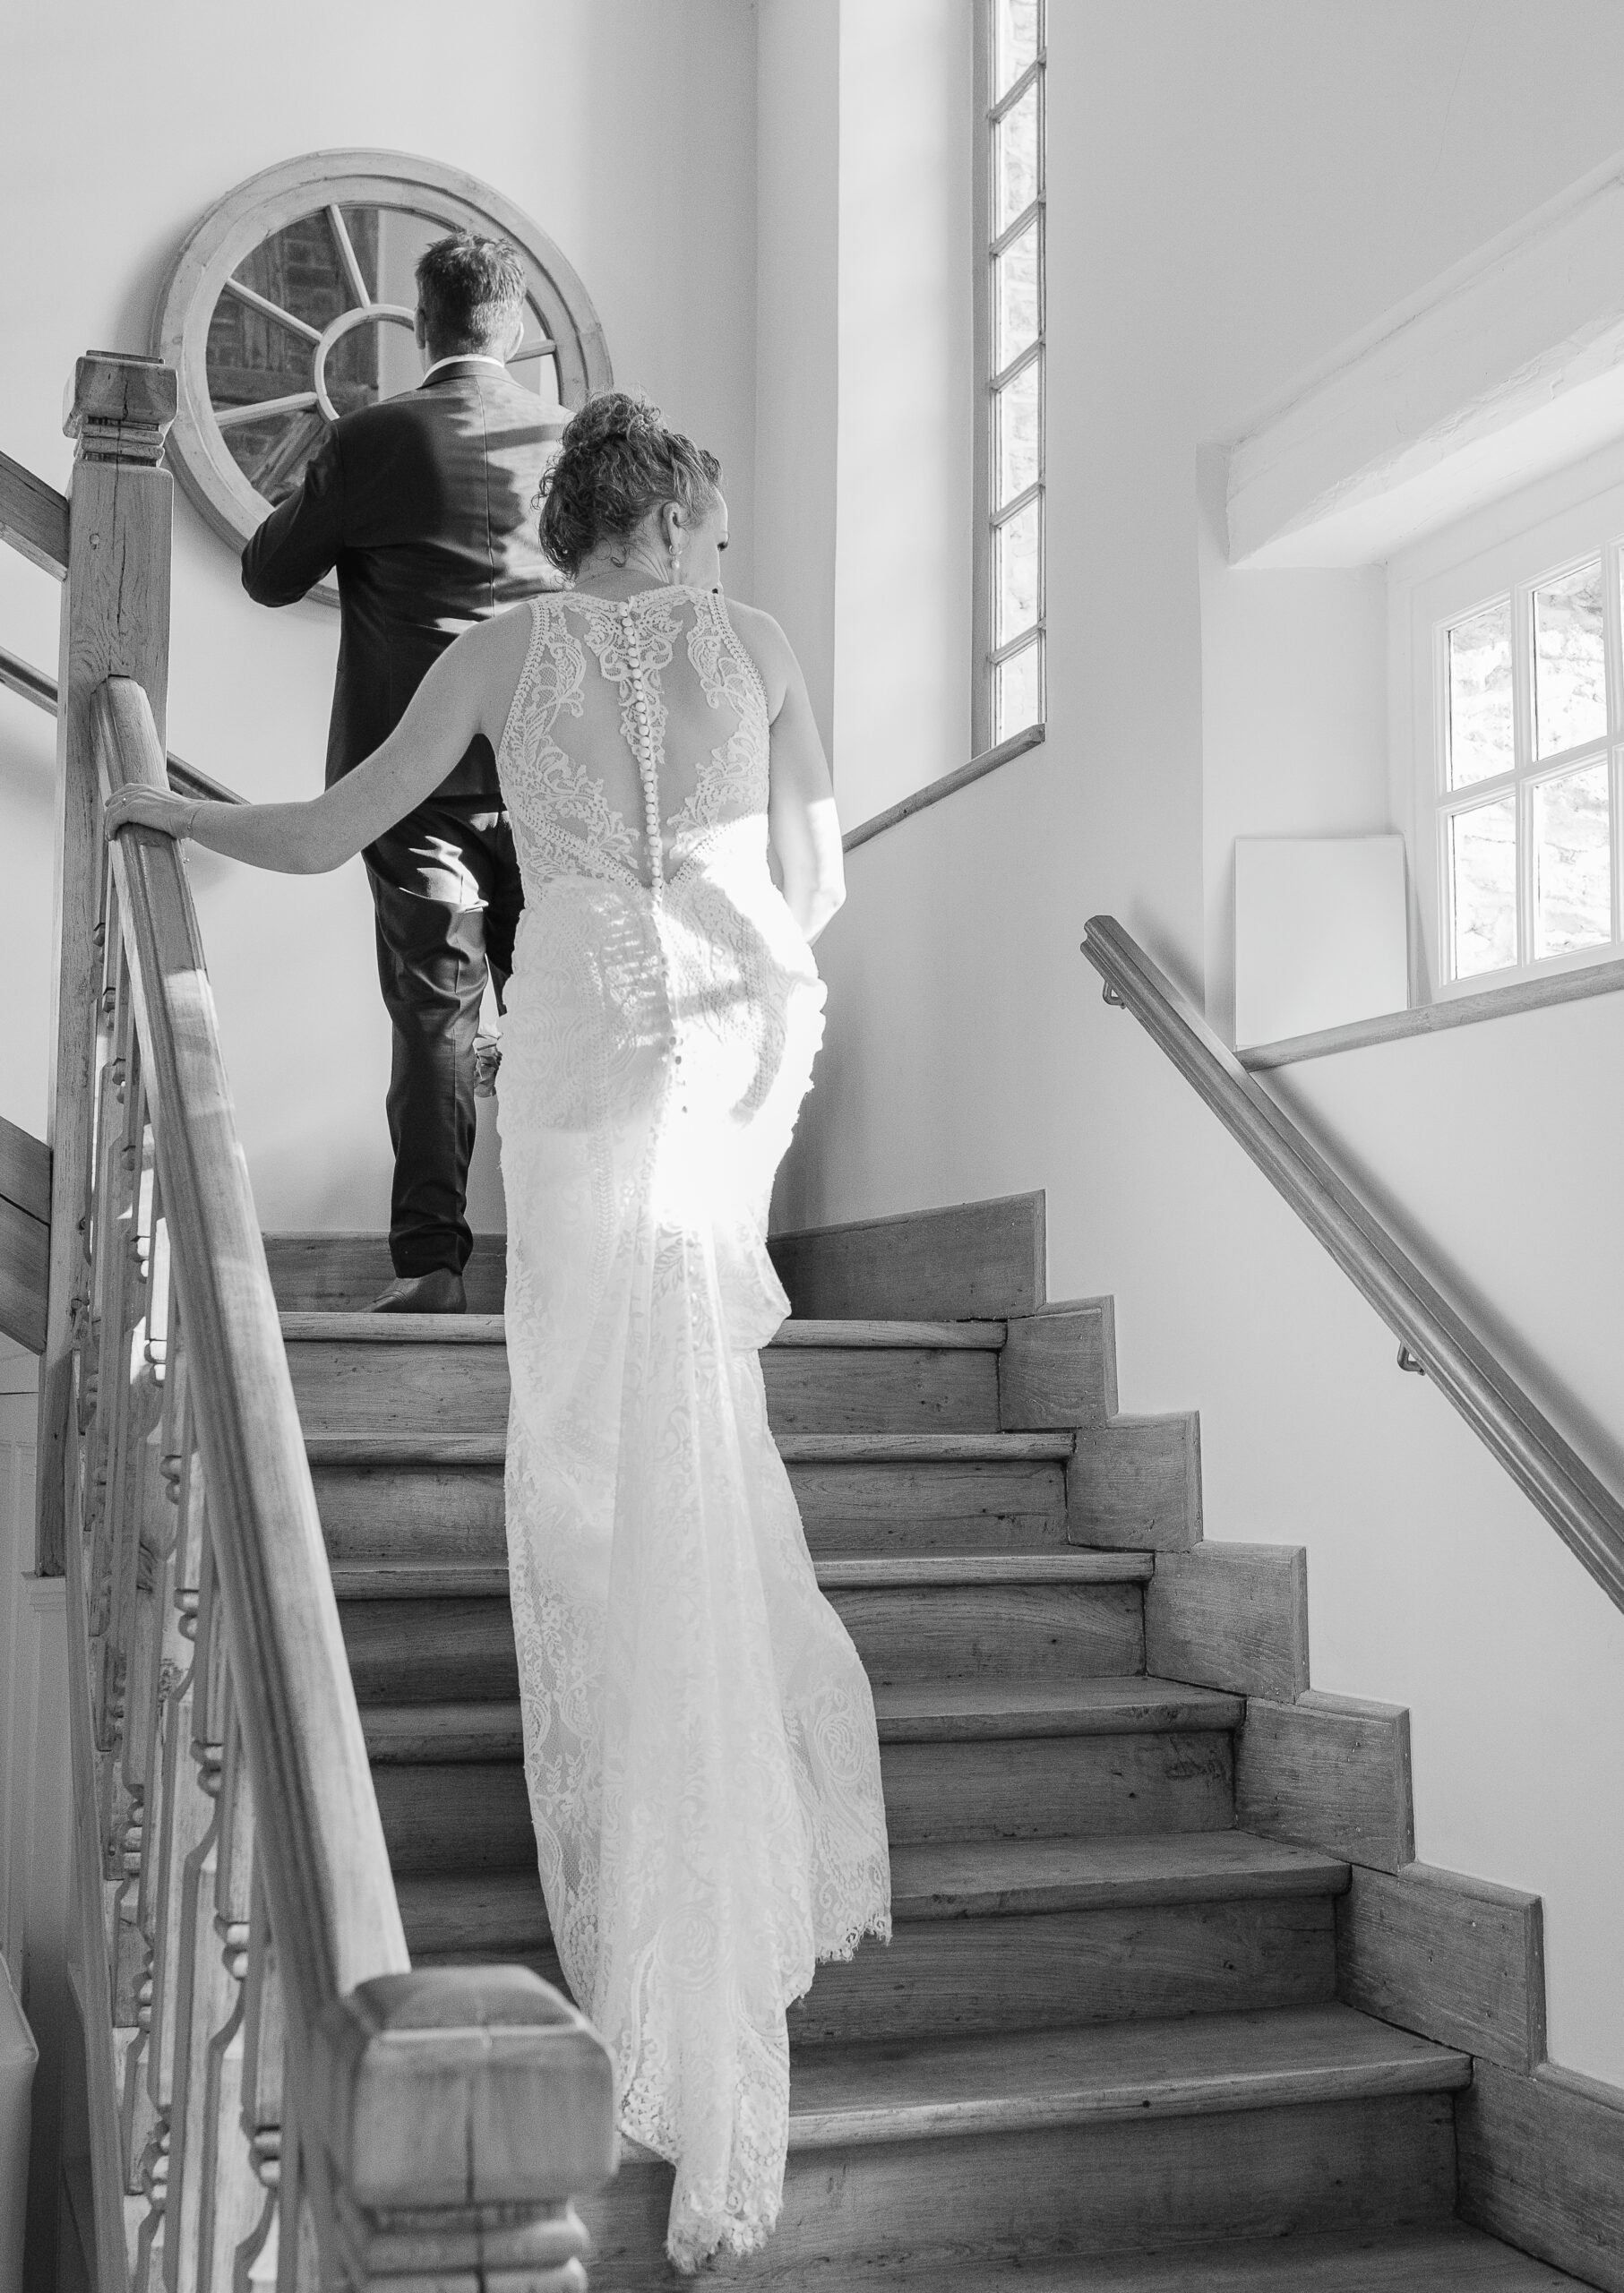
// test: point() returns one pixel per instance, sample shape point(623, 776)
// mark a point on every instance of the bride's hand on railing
point(158, 808)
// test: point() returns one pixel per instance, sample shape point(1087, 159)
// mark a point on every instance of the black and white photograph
point(813, 815)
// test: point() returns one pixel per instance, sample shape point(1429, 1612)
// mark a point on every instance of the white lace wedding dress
point(700, 1740)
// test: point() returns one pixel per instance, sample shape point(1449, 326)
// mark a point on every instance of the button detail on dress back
point(647, 763)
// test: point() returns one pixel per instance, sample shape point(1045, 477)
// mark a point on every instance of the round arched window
point(291, 303)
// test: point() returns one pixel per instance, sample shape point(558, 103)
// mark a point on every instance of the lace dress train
point(699, 1740)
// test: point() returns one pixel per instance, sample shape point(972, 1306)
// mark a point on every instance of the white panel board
point(1321, 933)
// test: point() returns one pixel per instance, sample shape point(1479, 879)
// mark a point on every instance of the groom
point(426, 506)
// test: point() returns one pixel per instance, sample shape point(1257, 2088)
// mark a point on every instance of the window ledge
point(1432, 1018)
point(935, 791)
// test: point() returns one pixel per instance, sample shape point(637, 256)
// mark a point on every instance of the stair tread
point(435, 1732)
point(1110, 1704)
point(833, 1449)
point(836, 1572)
point(359, 1327)
point(795, 1449)
point(952, 1877)
point(1445, 2257)
point(977, 1878)
point(1028, 2078)
point(363, 1329)
point(1196, 2065)
point(851, 1572)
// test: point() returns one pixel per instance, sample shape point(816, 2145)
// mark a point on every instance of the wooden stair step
point(426, 1734)
point(380, 1376)
point(978, 1711)
point(432, 1580)
point(974, 1977)
point(944, 2161)
point(469, 1809)
point(927, 1448)
point(498, 1912)
point(1191, 2066)
point(355, 1450)
point(429, 1735)
point(459, 1651)
point(910, 1625)
point(1448, 2257)
point(980, 1878)
point(427, 1508)
point(490, 1329)
point(902, 1572)
point(352, 1328)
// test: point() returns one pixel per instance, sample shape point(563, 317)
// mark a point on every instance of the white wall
point(864, 381)
point(626, 129)
point(1233, 193)
point(906, 398)
point(797, 132)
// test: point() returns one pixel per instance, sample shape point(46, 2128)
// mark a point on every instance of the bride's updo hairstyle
point(618, 461)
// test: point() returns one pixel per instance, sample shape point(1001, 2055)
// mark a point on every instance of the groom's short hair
point(469, 291)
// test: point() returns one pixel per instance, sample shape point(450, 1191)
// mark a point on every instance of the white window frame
point(1433, 597)
point(986, 653)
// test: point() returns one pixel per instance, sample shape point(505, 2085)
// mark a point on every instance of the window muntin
point(1009, 649)
point(1529, 772)
point(290, 302)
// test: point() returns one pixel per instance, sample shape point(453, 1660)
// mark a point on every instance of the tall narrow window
point(1009, 694)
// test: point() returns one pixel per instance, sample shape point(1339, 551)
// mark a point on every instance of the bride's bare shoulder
point(769, 648)
point(488, 658)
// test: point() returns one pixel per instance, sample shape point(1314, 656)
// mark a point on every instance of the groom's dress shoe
point(439, 1292)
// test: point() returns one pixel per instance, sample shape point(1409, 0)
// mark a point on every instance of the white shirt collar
point(464, 358)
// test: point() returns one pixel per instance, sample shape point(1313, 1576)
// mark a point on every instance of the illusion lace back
point(700, 1740)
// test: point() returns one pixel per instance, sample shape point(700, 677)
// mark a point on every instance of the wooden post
point(115, 623)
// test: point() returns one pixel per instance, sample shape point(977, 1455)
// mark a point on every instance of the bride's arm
point(450, 707)
point(801, 816)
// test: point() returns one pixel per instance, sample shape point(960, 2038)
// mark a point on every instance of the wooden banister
point(468, 2093)
point(25, 1234)
point(333, 1900)
point(33, 518)
point(1432, 1336)
point(300, 2107)
point(22, 677)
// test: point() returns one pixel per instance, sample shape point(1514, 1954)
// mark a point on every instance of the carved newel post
point(115, 623)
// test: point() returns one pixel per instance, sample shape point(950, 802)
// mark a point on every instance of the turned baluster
point(86, 1319)
point(186, 1813)
point(153, 1675)
point(112, 1321)
point(255, 2264)
point(232, 2198)
point(201, 1979)
point(132, 1635)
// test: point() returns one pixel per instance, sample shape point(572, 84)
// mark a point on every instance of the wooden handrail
point(435, 2111)
point(259, 2058)
point(332, 1898)
point(33, 684)
point(33, 518)
point(1581, 1509)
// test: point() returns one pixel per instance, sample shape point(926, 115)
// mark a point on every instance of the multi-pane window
point(1008, 695)
point(1529, 765)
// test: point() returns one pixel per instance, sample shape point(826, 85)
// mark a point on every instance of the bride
point(699, 1740)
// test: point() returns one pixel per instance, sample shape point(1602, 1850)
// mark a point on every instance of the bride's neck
point(643, 569)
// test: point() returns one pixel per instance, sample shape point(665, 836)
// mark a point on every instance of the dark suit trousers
point(446, 890)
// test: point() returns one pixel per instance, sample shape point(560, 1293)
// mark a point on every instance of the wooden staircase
point(1105, 2047)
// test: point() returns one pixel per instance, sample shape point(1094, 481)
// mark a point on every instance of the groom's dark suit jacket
point(427, 507)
